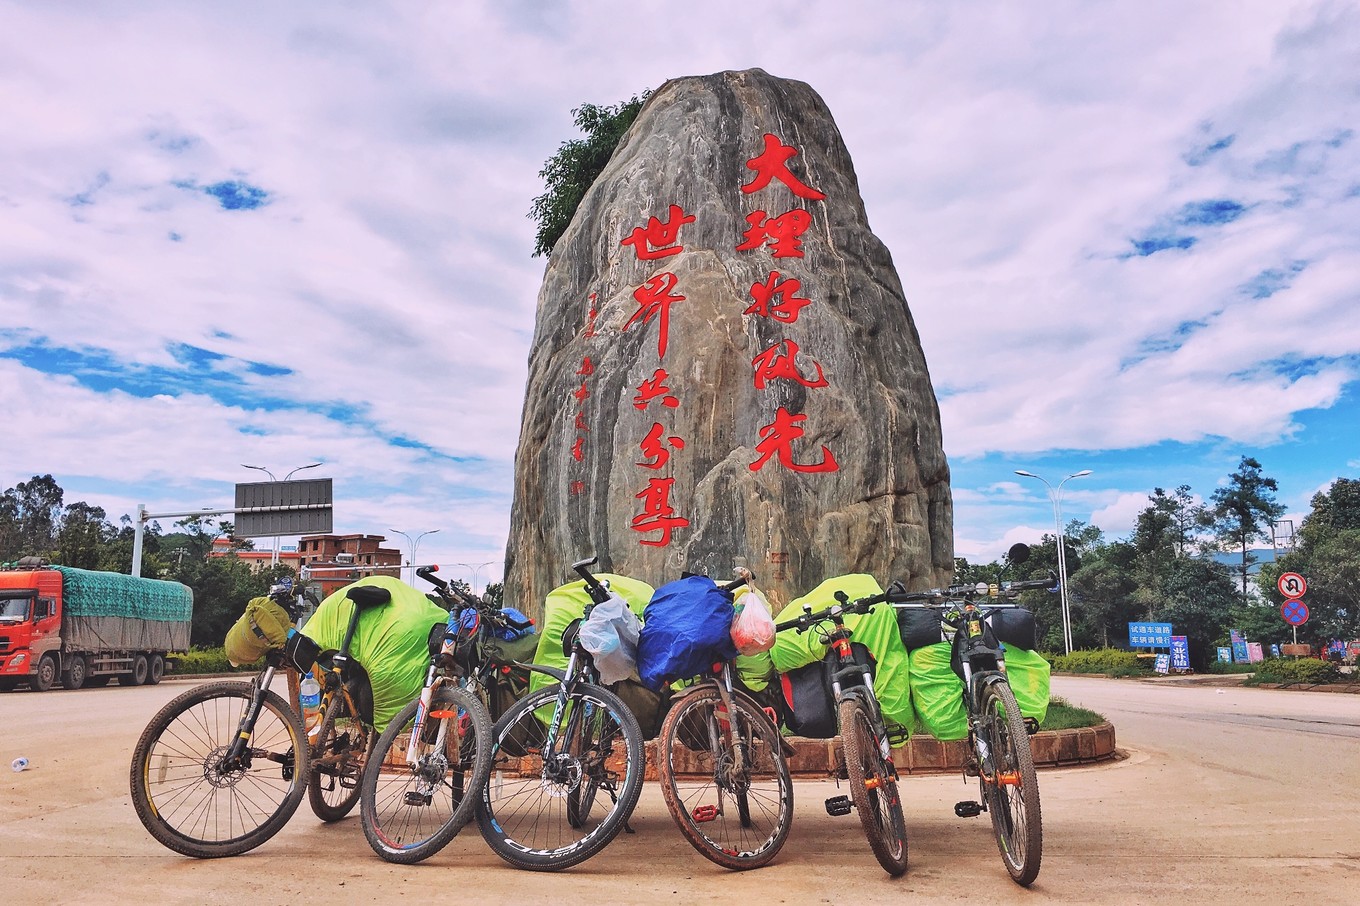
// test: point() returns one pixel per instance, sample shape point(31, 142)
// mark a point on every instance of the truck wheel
point(75, 673)
point(137, 677)
point(46, 675)
point(156, 670)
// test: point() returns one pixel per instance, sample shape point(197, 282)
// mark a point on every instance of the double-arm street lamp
point(1055, 495)
point(274, 561)
point(476, 568)
point(415, 546)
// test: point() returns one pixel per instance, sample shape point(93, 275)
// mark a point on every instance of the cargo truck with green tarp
point(84, 627)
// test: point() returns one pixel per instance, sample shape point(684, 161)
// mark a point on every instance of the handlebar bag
point(262, 628)
point(686, 627)
point(611, 634)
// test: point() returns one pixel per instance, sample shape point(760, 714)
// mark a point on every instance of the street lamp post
point(274, 560)
point(1055, 496)
point(476, 568)
point(415, 546)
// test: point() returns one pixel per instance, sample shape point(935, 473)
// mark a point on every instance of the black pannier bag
point(807, 691)
point(918, 628)
point(1015, 628)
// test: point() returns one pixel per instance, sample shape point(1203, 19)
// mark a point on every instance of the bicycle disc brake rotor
point(561, 775)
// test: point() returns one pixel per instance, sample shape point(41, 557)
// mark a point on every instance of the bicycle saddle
point(366, 596)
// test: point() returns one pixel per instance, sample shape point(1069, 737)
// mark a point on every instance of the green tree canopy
point(1243, 510)
point(569, 173)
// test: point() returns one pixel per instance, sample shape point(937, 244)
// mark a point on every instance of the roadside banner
point(1239, 646)
point(1149, 635)
point(1163, 663)
point(1180, 652)
point(1225, 655)
point(1254, 653)
point(1274, 650)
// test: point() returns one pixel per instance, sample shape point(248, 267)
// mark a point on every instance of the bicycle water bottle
point(309, 695)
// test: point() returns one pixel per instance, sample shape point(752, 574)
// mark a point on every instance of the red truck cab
point(30, 626)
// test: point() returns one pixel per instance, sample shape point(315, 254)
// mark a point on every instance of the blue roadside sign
point(1163, 663)
point(1149, 635)
point(1225, 655)
point(1180, 652)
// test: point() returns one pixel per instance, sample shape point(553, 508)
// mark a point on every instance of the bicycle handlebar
point(900, 598)
point(599, 593)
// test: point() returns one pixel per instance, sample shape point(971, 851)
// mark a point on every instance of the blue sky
point(246, 233)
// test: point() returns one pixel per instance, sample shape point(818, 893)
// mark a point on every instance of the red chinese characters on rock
point(776, 439)
point(780, 361)
point(657, 239)
point(656, 295)
point(773, 163)
point(777, 299)
point(655, 451)
point(580, 394)
point(657, 512)
point(654, 299)
point(655, 388)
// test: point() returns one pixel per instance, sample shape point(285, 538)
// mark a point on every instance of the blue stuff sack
point(469, 619)
point(686, 628)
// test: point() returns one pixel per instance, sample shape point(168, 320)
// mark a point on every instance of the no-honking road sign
point(1295, 612)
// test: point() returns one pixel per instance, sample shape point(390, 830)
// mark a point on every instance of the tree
point(1200, 602)
point(29, 515)
point(83, 533)
point(1101, 595)
point(1244, 508)
point(569, 173)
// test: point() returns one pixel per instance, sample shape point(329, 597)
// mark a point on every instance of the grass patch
point(198, 661)
point(1063, 715)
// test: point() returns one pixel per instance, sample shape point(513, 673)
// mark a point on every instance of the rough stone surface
point(886, 510)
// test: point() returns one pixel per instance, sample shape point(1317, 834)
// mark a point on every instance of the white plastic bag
point(610, 634)
point(752, 627)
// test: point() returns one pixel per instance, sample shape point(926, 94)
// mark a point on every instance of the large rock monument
point(724, 367)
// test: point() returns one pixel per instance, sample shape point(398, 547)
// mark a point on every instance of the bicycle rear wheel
point(725, 779)
point(873, 787)
point(194, 803)
point(1010, 788)
point(338, 762)
point(412, 807)
point(536, 812)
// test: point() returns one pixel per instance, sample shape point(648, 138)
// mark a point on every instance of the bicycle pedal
point(967, 809)
point(1031, 726)
point(839, 805)
point(419, 799)
point(704, 813)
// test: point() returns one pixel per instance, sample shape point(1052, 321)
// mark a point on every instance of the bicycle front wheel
point(191, 799)
point(546, 810)
point(873, 787)
point(1010, 786)
point(416, 798)
point(725, 779)
point(338, 762)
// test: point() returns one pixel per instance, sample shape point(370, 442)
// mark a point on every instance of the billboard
point(1149, 635)
point(268, 508)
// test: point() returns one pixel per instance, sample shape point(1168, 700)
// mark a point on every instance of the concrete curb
point(928, 755)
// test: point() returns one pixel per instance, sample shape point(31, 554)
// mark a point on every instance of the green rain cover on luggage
point(876, 630)
point(390, 641)
point(568, 602)
point(1029, 676)
point(937, 692)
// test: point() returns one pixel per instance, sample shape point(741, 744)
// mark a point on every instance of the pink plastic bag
point(752, 627)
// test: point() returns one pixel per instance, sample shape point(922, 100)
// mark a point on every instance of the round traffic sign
point(1295, 612)
point(1292, 585)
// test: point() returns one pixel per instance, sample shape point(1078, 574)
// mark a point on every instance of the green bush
point(1112, 661)
point(209, 660)
point(1307, 670)
point(1227, 667)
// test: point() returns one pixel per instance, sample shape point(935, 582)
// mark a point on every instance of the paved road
point(1226, 796)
